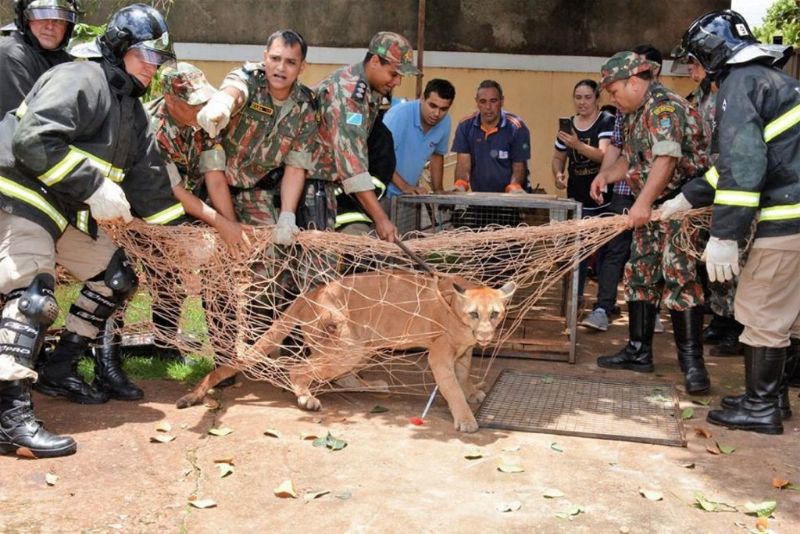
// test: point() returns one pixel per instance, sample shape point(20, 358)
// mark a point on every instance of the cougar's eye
point(473, 315)
point(494, 315)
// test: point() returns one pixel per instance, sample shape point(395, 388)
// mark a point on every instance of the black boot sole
point(785, 414)
point(638, 368)
point(760, 429)
point(12, 448)
point(51, 391)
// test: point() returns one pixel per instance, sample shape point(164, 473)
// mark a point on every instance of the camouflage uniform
point(348, 109)
point(664, 125)
point(191, 150)
point(262, 137)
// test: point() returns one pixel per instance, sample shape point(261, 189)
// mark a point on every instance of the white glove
point(109, 202)
point(673, 206)
point(216, 113)
point(722, 259)
point(286, 229)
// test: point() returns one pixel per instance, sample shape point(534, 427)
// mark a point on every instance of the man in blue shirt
point(421, 129)
point(493, 146)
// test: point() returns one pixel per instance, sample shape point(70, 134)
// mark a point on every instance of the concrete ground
point(392, 476)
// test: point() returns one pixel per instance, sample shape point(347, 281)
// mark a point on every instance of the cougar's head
point(482, 309)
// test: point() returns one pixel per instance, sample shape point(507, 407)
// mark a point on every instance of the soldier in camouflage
point(665, 145)
point(196, 162)
point(349, 100)
point(271, 124)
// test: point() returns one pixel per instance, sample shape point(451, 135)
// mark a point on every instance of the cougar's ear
point(458, 289)
point(508, 290)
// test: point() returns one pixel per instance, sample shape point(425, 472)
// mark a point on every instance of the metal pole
point(420, 43)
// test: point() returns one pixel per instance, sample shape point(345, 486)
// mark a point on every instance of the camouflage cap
point(623, 65)
point(188, 83)
point(395, 48)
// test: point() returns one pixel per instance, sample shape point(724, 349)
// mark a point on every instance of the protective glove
point(722, 259)
point(673, 206)
point(216, 113)
point(109, 202)
point(286, 229)
point(519, 191)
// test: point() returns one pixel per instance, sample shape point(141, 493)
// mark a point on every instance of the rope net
point(318, 307)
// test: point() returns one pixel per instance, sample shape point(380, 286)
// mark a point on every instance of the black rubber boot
point(19, 428)
point(784, 406)
point(687, 327)
point(758, 412)
point(716, 329)
point(728, 343)
point(638, 353)
point(58, 373)
point(793, 370)
point(108, 373)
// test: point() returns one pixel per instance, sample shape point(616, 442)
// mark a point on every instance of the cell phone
point(565, 125)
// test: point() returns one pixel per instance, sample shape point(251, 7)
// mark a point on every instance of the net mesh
point(378, 299)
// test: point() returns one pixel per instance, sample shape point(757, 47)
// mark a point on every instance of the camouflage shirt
point(191, 150)
point(348, 109)
point(263, 135)
point(664, 125)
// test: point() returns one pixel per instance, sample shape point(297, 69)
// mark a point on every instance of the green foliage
point(783, 18)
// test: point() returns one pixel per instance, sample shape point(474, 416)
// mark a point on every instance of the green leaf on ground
point(702, 402)
point(687, 413)
point(225, 469)
point(508, 465)
point(571, 513)
point(711, 506)
point(473, 453)
point(760, 509)
point(725, 449)
point(379, 409)
point(651, 495)
point(330, 442)
point(552, 494)
point(547, 379)
point(556, 447)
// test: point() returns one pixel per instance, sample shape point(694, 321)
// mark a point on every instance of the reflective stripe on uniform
point(21, 110)
point(167, 215)
point(712, 177)
point(73, 158)
point(737, 198)
point(782, 123)
point(780, 213)
point(350, 218)
point(15, 190)
point(82, 221)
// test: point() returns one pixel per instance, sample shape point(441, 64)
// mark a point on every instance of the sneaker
point(597, 320)
point(659, 328)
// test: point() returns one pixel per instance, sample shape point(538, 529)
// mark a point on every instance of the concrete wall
point(559, 27)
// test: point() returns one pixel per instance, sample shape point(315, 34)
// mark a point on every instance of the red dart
point(417, 421)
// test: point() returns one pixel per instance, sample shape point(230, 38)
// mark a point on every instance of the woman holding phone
point(579, 148)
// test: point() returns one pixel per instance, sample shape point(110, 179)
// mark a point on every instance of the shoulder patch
point(664, 108)
point(354, 119)
point(360, 91)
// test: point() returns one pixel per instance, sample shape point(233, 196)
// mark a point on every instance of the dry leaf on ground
point(285, 490)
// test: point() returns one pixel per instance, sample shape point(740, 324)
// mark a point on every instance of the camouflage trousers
point(659, 270)
point(256, 206)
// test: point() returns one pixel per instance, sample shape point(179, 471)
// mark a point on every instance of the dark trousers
point(616, 255)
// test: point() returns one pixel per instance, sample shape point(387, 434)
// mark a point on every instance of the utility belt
point(269, 182)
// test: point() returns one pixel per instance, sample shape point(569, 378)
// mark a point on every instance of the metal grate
point(587, 407)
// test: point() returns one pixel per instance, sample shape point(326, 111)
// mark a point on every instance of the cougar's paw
point(190, 399)
point(309, 402)
point(466, 425)
point(476, 397)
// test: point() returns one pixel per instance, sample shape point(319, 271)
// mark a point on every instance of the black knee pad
point(38, 303)
point(120, 277)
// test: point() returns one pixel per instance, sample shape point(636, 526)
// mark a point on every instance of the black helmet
point(28, 10)
point(716, 37)
point(139, 27)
